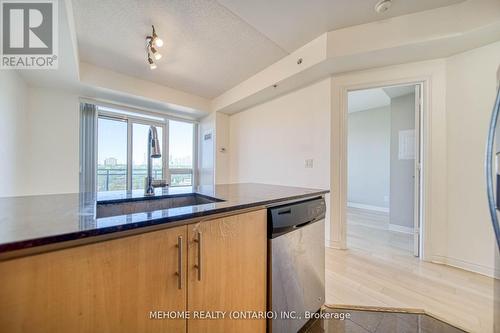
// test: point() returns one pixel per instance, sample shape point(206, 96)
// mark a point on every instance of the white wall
point(124, 89)
point(269, 143)
point(470, 94)
point(53, 135)
point(222, 172)
point(39, 139)
point(368, 153)
point(13, 93)
point(402, 171)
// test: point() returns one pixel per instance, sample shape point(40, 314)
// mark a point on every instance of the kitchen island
point(35, 222)
point(64, 268)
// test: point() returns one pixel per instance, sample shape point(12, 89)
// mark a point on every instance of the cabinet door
point(233, 271)
point(104, 287)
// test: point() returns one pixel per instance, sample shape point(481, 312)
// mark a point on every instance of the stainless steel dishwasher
point(296, 273)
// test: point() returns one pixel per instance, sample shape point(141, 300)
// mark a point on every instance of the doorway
point(384, 159)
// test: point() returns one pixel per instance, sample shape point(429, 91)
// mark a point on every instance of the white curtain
point(88, 147)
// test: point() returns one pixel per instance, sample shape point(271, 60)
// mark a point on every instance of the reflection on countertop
point(31, 221)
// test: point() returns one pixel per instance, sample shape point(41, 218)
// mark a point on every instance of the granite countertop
point(35, 221)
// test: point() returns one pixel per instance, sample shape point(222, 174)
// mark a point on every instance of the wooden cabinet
point(103, 287)
point(233, 271)
point(113, 286)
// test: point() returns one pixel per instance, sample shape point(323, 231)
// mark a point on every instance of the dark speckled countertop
point(37, 221)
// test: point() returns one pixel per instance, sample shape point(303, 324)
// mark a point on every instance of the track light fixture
point(156, 40)
point(153, 42)
point(152, 64)
point(155, 52)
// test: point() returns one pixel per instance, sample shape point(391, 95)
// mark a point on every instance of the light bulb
point(152, 64)
point(158, 42)
point(155, 52)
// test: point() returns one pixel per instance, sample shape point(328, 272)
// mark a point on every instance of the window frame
point(131, 119)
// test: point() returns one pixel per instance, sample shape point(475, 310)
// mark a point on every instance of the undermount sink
point(107, 209)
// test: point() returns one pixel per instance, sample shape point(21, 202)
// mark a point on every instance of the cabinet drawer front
point(105, 287)
point(233, 271)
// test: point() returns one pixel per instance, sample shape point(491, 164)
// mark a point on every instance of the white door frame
point(418, 110)
point(418, 171)
point(432, 77)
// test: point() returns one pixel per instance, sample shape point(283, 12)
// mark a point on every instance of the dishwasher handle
point(298, 226)
point(297, 213)
point(275, 232)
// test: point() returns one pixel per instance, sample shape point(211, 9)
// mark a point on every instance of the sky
point(112, 141)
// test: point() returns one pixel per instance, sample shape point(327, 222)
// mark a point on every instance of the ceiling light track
point(153, 43)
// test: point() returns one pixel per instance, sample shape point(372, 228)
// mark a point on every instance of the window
point(139, 155)
point(112, 155)
point(122, 150)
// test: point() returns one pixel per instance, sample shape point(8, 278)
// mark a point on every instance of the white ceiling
point(366, 99)
point(360, 100)
point(397, 91)
point(211, 46)
point(293, 23)
point(207, 48)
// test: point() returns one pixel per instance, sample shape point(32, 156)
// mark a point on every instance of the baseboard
point(466, 265)
point(334, 244)
point(368, 207)
point(400, 228)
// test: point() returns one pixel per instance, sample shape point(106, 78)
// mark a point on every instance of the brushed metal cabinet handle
point(199, 265)
point(179, 262)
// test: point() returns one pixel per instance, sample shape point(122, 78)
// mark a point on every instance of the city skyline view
point(113, 159)
point(183, 162)
point(112, 143)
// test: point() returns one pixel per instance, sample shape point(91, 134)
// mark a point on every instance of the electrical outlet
point(309, 163)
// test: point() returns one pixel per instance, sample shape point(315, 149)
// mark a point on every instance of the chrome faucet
point(153, 152)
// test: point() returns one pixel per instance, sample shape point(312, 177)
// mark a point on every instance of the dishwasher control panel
point(284, 218)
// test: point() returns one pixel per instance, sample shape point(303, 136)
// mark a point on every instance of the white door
point(418, 171)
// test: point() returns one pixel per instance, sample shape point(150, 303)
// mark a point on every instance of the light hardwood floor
point(369, 231)
point(379, 270)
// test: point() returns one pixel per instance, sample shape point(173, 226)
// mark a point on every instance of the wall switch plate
point(309, 163)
